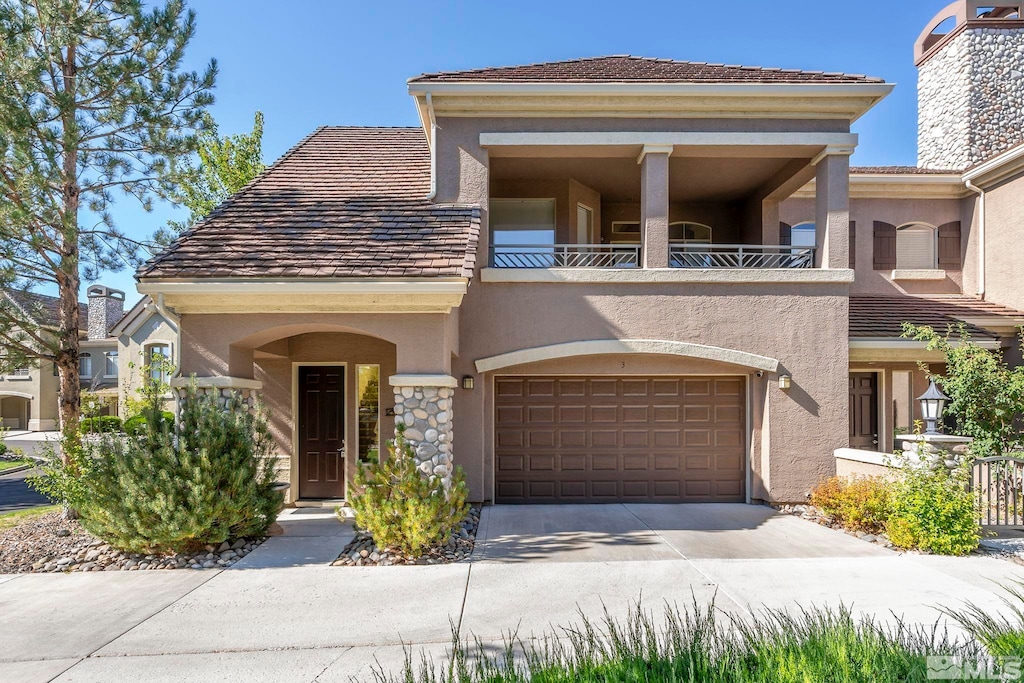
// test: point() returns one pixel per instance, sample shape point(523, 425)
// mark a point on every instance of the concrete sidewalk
point(284, 615)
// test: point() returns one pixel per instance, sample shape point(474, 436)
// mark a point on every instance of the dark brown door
point(321, 432)
point(619, 439)
point(864, 410)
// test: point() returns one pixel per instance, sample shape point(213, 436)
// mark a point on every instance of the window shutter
point(949, 246)
point(885, 246)
point(853, 244)
point(785, 234)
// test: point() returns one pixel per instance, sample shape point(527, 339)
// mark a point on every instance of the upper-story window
point(916, 247)
point(110, 364)
point(518, 222)
point(156, 356)
point(804, 235)
point(85, 365)
point(20, 372)
point(685, 232)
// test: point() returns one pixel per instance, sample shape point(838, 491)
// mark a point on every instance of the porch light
point(933, 402)
point(467, 382)
point(785, 382)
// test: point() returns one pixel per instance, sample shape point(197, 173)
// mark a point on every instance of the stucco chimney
point(970, 84)
point(106, 307)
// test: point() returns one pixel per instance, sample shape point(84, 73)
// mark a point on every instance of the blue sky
point(307, 63)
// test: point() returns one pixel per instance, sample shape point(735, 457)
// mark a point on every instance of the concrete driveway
point(283, 615)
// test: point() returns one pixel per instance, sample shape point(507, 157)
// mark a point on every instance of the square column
point(654, 205)
point(423, 403)
point(832, 210)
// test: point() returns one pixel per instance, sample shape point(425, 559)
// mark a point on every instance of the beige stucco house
point(612, 279)
point(114, 346)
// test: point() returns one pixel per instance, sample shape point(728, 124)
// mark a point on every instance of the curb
point(17, 469)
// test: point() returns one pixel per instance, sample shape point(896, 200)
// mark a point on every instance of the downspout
point(981, 235)
point(161, 308)
point(433, 149)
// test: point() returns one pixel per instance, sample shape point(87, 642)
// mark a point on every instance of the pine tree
point(93, 102)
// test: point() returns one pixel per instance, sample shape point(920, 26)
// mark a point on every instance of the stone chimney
point(106, 307)
point(970, 86)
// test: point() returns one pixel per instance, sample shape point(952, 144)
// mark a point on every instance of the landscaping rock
point(50, 543)
point(361, 551)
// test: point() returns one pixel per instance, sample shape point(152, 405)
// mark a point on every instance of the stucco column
point(654, 205)
point(424, 403)
point(832, 211)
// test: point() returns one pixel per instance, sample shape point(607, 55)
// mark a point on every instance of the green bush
point(64, 473)
point(403, 509)
point(178, 487)
point(103, 424)
point(933, 510)
point(858, 504)
point(137, 424)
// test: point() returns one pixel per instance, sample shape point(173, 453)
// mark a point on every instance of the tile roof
point(901, 170)
point(630, 69)
point(344, 202)
point(883, 316)
point(45, 310)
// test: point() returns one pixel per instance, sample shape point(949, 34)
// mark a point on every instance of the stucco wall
point(864, 212)
point(1004, 243)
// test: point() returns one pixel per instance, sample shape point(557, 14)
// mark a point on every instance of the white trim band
point(899, 343)
point(284, 286)
point(662, 140)
point(758, 276)
point(423, 381)
point(601, 347)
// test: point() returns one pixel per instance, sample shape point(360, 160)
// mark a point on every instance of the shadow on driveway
point(15, 493)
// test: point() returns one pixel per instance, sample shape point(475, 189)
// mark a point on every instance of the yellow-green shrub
point(933, 510)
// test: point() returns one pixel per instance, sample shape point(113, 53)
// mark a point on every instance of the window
point(153, 355)
point(804, 235)
point(625, 232)
point(110, 364)
point(20, 372)
point(916, 247)
point(85, 365)
point(516, 222)
point(684, 232)
point(368, 390)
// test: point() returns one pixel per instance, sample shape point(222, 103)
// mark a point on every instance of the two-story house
point(610, 279)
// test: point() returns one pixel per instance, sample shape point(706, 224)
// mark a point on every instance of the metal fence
point(740, 256)
point(565, 256)
point(998, 484)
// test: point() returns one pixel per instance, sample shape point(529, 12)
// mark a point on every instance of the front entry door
point(864, 410)
point(321, 432)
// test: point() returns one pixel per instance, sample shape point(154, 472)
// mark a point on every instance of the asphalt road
point(15, 494)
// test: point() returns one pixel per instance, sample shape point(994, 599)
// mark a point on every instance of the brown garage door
point(619, 439)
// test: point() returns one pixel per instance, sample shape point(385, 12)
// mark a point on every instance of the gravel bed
point(50, 543)
point(813, 514)
point(363, 552)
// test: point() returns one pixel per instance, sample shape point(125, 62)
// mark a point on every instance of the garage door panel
point(609, 439)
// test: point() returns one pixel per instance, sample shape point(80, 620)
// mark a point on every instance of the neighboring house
point(112, 345)
point(613, 279)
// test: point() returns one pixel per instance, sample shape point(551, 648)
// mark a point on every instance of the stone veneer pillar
point(222, 387)
point(423, 403)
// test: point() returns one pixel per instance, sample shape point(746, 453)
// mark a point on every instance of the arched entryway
point(15, 410)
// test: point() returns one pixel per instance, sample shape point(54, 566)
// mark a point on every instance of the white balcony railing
point(565, 256)
point(740, 256)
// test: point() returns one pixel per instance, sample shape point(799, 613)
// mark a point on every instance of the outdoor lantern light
point(785, 382)
point(933, 402)
point(467, 382)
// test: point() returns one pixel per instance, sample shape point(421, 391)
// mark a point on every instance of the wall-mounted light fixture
point(468, 382)
point(785, 382)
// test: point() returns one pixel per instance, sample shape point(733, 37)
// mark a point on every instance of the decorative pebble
point(361, 551)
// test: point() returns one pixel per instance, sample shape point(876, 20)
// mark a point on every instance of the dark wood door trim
point(321, 411)
point(864, 411)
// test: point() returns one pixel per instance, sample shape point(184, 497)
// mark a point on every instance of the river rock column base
point(424, 405)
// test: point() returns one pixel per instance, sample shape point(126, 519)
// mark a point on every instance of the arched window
point(916, 247)
point(84, 365)
point(804, 235)
point(685, 232)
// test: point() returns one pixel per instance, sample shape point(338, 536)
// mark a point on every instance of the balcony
point(565, 256)
point(740, 256)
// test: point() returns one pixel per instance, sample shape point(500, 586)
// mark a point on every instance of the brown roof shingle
point(883, 316)
point(901, 170)
point(631, 69)
point(344, 202)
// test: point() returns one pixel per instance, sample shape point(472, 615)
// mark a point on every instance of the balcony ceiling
point(691, 179)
